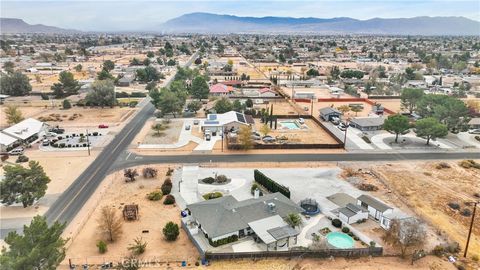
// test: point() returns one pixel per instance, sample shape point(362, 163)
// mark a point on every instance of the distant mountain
point(12, 26)
point(214, 23)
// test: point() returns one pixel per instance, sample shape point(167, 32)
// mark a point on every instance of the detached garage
point(352, 213)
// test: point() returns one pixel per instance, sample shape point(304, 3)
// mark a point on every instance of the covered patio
point(274, 232)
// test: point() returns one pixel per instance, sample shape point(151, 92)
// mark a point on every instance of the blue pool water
point(289, 124)
point(339, 240)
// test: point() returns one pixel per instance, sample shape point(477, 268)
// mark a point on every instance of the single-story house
point(367, 123)
point(328, 113)
point(267, 92)
point(376, 208)
point(352, 213)
point(260, 217)
point(220, 89)
point(126, 80)
point(248, 92)
point(395, 214)
point(27, 130)
point(474, 123)
point(302, 94)
point(218, 122)
point(6, 142)
point(233, 83)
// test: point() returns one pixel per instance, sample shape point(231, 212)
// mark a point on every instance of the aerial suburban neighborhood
point(248, 146)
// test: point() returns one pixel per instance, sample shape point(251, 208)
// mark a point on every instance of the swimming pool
point(339, 240)
point(290, 124)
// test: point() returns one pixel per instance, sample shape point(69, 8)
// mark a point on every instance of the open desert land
point(168, 135)
point(116, 193)
point(426, 189)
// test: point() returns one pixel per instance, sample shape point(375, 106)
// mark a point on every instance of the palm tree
point(293, 219)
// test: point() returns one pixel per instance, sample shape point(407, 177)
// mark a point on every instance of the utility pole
point(88, 144)
point(470, 230)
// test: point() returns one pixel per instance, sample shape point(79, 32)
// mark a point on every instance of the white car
point(17, 151)
point(474, 131)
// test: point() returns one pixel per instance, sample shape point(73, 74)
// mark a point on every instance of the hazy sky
point(135, 15)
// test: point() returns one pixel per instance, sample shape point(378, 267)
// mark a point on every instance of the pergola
point(272, 230)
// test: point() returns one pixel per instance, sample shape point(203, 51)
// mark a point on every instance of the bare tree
point(130, 174)
point(405, 234)
point(109, 223)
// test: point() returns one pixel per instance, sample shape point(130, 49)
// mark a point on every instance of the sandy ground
point(367, 108)
point(427, 191)
point(392, 104)
point(169, 135)
point(89, 117)
point(153, 217)
point(27, 112)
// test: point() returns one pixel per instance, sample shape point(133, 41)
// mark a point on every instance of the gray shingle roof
point(225, 215)
point(329, 110)
point(368, 121)
point(374, 203)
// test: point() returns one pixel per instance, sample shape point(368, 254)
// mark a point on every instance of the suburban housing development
point(244, 149)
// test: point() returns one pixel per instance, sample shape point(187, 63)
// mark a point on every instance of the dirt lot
point(153, 216)
point(86, 116)
point(167, 136)
point(426, 191)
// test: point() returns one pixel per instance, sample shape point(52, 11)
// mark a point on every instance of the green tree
point(410, 98)
point(171, 231)
point(265, 129)
point(67, 85)
point(39, 246)
point(349, 73)
point(9, 66)
point(249, 103)
point(13, 114)
point(199, 88)
point(237, 106)
point(135, 62)
point(397, 124)
point(448, 110)
point(313, 72)
point(293, 219)
point(223, 105)
point(108, 65)
point(15, 84)
point(429, 128)
point(410, 73)
point(102, 94)
point(104, 75)
point(335, 72)
point(23, 185)
point(148, 74)
point(356, 109)
point(171, 62)
point(66, 104)
point(158, 127)
point(194, 106)
point(167, 101)
point(344, 109)
point(150, 54)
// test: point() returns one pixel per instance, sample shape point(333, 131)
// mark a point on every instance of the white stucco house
point(376, 209)
point(217, 122)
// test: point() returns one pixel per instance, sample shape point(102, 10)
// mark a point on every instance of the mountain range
point(214, 23)
point(12, 26)
point(224, 24)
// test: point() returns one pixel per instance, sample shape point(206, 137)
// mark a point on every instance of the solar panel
point(240, 117)
point(212, 117)
point(211, 122)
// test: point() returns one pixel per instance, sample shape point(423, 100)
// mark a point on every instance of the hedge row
point(269, 184)
point(223, 241)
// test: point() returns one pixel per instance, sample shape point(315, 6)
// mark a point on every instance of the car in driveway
point(17, 151)
point(102, 126)
point(187, 127)
point(196, 122)
point(57, 130)
point(46, 142)
point(474, 131)
point(268, 139)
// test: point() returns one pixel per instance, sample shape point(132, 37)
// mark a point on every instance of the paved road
point(65, 208)
point(134, 160)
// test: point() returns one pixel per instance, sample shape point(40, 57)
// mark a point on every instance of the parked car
point(187, 127)
point(474, 131)
point(301, 121)
point(208, 137)
point(57, 130)
point(102, 126)
point(256, 133)
point(17, 151)
point(46, 142)
point(335, 121)
point(268, 139)
point(196, 122)
point(255, 137)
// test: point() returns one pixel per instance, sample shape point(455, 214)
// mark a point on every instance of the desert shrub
point(438, 250)
point(62, 145)
point(4, 157)
point(468, 163)
point(102, 246)
point(95, 133)
point(337, 223)
point(454, 205)
point(197, 263)
point(373, 244)
point(466, 212)
point(345, 230)
point(367, 187)
point(21, 159)
point(475, 258)
point(221, 179)
point(212, 195)
point(443, 165)
point(356, 238)
point(130, 174)
point(149, 172)
point(349, 172)
point(138, 247)
point(460, 267)
point(363, 220)
point(166, 186)
point(253, 188)
point(169, 172)
point(366, 139)
point(155, 195)
point(171, 231)
point(208, 180)
point(453, 247)
point(477, 195)
point(169, 199)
